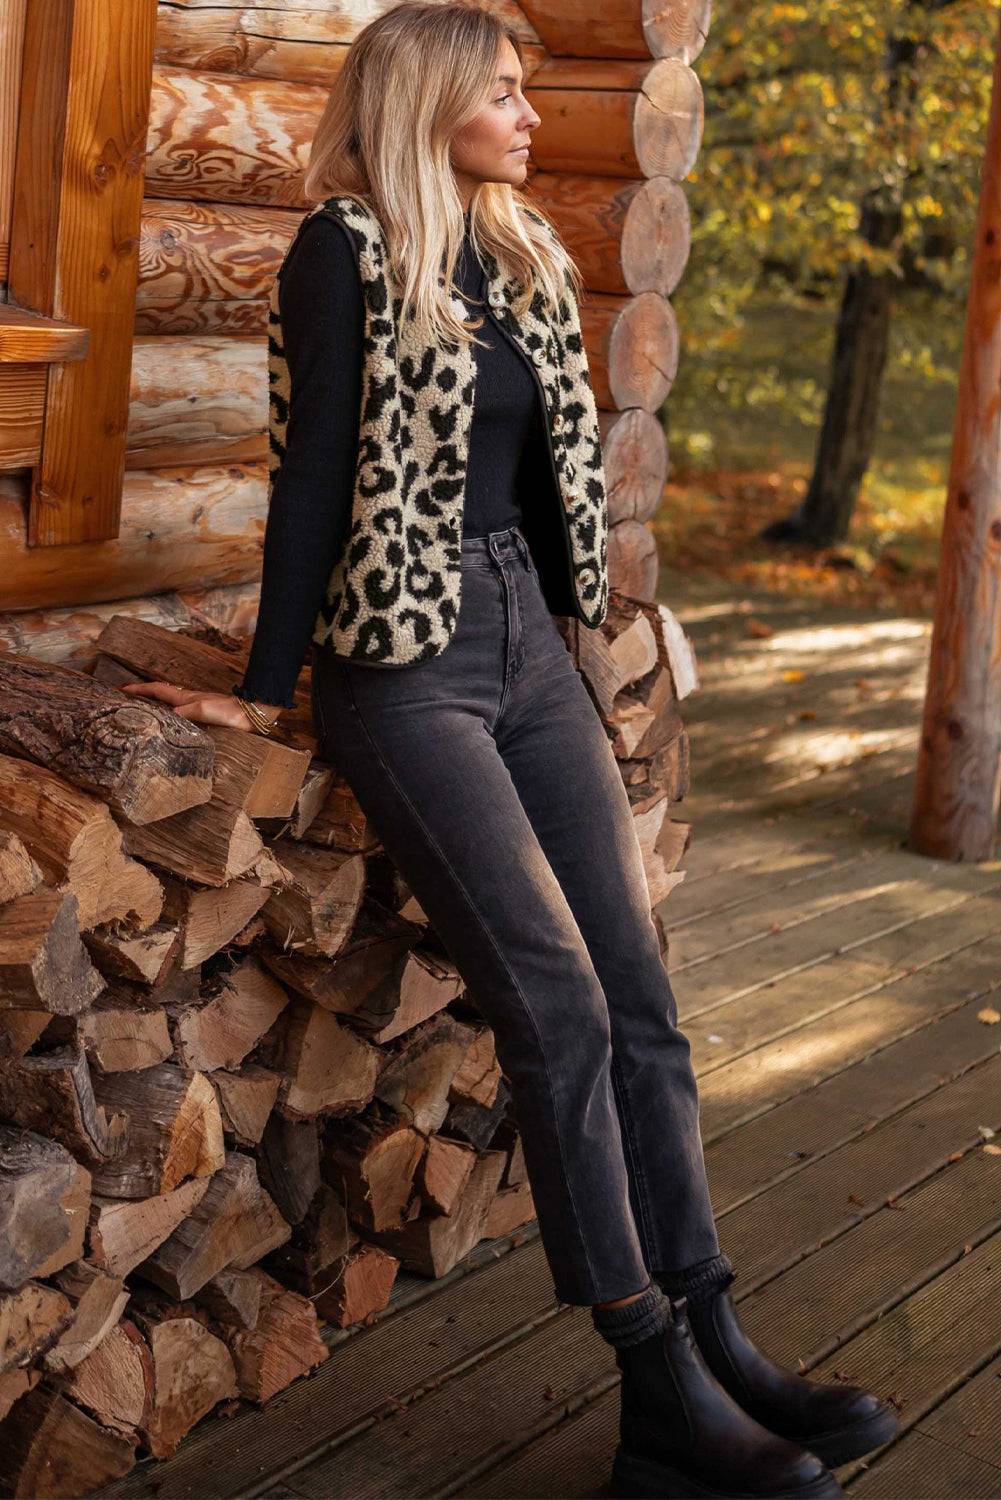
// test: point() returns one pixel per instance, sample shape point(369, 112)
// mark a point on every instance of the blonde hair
point(410, 79)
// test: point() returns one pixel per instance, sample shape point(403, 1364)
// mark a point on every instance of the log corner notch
point(83, 117)
point(958, 787)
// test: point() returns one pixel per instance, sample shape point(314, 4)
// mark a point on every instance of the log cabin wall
point(236, 94)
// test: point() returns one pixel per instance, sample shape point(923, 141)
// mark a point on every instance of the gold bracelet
point(260, 720)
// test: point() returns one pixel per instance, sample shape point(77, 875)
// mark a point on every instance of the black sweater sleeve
point(322, 312)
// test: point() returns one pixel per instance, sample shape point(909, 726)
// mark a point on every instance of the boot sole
point(851, 1442)
point(635, 1478)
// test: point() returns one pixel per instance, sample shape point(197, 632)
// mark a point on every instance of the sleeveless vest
point(393, 595)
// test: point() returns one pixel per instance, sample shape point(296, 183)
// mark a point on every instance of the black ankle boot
point(837, 1422)
point(681, 1434)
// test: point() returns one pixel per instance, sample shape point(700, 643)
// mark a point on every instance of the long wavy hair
point(410, 79)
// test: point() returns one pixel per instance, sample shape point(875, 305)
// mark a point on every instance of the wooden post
point(74, 253)
point(959, 762)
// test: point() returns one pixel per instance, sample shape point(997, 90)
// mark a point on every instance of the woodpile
point(241, 1081)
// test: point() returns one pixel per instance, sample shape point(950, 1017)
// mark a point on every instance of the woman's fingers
point(163, 690)
point(201, 708)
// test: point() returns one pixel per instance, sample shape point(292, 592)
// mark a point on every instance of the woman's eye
point(503, 97)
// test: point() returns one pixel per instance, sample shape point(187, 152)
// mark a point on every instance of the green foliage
point(803, 118)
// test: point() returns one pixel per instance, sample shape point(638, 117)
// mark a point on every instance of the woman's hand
point(202, 708)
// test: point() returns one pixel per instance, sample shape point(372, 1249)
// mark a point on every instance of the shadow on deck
point(838, 993)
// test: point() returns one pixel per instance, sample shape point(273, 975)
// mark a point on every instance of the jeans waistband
point(497, 544)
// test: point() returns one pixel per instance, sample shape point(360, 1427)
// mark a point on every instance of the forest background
point(821, 311)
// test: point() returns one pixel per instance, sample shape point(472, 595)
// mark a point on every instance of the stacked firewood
point(241, 1081)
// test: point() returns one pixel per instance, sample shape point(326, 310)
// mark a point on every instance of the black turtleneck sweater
point(322, 314)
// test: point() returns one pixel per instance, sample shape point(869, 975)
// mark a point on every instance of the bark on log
point(44, 1200)
point(49, 1448)
point(141, 759)
point(175, 1130)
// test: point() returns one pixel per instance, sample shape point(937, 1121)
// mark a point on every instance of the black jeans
point(489, 778)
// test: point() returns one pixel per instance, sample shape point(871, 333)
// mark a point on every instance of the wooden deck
point(830, 982)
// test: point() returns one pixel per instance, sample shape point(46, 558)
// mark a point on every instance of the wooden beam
point(959, 762)
point(78, 185)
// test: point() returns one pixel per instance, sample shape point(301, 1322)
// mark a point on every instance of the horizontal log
point(635, 460)
point(632, 347)
point(625, 236)
point(181, 528)
point(141, 759)
point(298, 43)
point(208, 267)
point(617, 118)
point(625, 28)
point(196, 400)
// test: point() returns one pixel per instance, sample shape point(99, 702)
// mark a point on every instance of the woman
point(437, 496)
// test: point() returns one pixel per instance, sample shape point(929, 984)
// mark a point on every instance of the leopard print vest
point(393, 595)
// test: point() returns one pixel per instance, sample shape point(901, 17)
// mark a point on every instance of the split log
point(20, 1030)
point(331, 816)
point(31, 1320)
point(116, 1382)
point(246, 1100)
point(371, 956)
point(49, 1448)
point(433, 1243)
point(283, 1344)
point(516, 1171)
point(43, 963)
point(98, 1301)
point(663, 841)
point(214, 844)
point(416, 1079)
point(207, 918)
point(314, 793)
point(288, 1160)
point(138, 957)
point(326, 1068)
point(124, 1037)
point(261, 776)
point(192, 1371)
point(478, 1123)
point(315, 913)
point(220, 1033)
point(445, 1173)
point(372, 1165)
point(175, 1130)
point(123, 1233)
point(44, 1200)
point(232, 1297)
point(319, 1243)
point(78, 845)
point(511, 1208)
point(362, 1287)
point(142, 759)
point(478, 1076)
point(52, 1093)
point(13, 1385)
point(19, 873)
point(235, 1223)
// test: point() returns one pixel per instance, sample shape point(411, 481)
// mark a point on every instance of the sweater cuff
point(241, 692)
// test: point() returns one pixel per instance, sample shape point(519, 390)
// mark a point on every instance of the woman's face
point(487, 149)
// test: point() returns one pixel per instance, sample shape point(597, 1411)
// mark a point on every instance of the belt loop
point(522, 546)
